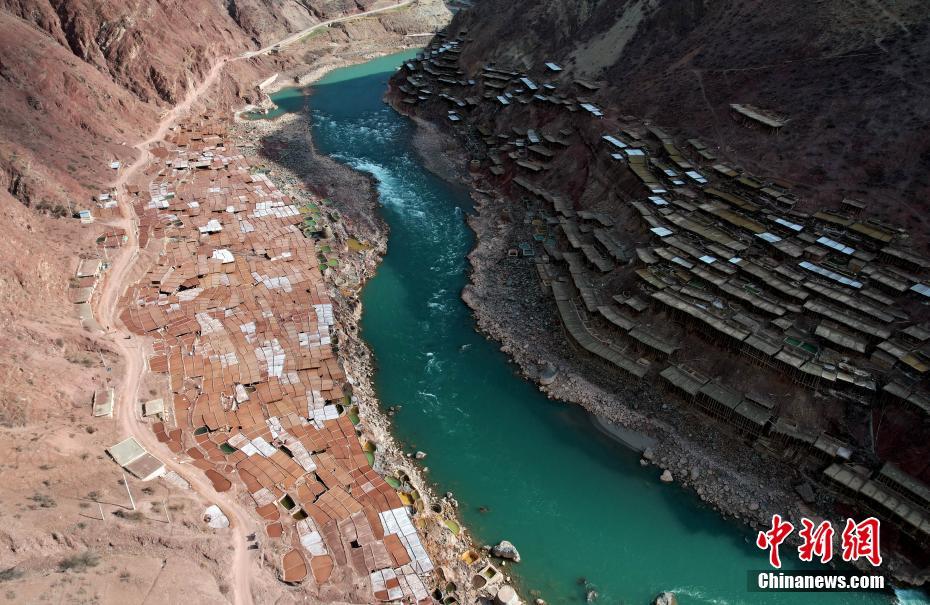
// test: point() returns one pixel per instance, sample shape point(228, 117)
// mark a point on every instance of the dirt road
point(131, 348)
point(106, 312)
point(240, 522)
point(305, 32)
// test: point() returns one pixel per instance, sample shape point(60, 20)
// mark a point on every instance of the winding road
point(305, 32)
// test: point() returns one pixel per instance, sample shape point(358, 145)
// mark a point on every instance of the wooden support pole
point(129, 491)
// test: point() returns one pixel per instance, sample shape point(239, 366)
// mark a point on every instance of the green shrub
point(79, 562)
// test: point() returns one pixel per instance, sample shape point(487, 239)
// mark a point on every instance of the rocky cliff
point(269, 20)
point(612, 126)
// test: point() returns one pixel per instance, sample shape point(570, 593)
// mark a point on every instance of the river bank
point(301, 75)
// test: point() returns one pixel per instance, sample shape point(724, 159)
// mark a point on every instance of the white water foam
point(433, 364)
point(910, 596)
point(697, 595)
point(390, 188)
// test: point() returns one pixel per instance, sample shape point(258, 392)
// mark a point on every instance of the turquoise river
point(576, 504)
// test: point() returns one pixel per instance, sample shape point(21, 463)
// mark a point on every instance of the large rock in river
point(506, 550)
point(666, 598)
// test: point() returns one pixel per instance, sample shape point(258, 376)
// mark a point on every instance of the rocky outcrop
point(665, 598)
point(505, 550)
point(265, 23)
point(11, 179)
point(269, 20)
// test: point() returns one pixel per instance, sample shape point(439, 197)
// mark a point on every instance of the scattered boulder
point(666, 598)
point(505, 550)
point(420, 455)
point(548, 374)
point(648, 454)
point(666, 476)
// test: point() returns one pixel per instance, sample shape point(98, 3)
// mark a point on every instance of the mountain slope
point(849, 75)
point(81, 81)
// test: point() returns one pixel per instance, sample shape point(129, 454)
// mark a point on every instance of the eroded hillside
point(82, 81)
